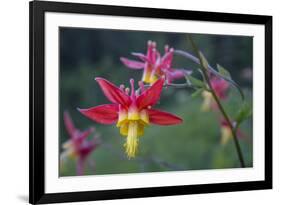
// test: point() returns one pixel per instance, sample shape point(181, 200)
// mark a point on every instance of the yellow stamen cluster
point(132, 139)
point(148, 76)
point(131, 123)
point(69, 152)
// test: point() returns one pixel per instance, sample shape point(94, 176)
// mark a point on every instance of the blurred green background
point(193, 145)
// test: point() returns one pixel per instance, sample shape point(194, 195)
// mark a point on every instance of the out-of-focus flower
point(226, 133)
point(154, 66)
point(77, 147)
point(131, 113)
point(220, 87)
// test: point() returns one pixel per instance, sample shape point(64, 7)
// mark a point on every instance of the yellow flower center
point(131, 124)
point(69, 150)
point(148, 76)
point(132, 140)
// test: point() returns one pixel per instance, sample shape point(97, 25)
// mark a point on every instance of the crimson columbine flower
point(131, 113)
point(220, 87)
point(77, 147)
point(154, 65)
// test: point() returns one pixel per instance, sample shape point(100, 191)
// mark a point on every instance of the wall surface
point(14, 100)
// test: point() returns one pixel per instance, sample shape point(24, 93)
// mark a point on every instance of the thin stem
point(174, 85)
point(80, 166)
point(233, 130)
point(182, 85)
point(222, 110)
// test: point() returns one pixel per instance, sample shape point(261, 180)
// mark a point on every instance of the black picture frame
point(37, 194)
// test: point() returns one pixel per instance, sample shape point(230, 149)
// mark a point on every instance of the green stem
point(174, 85)
point(222, 110)
point(233, 130)
point(183, 85)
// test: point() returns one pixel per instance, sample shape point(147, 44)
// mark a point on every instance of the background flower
point(226, 133)
point(154, 66)
point(220, 87)
point(77, 147)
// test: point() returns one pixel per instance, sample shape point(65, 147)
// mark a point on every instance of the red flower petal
point(86, 133)
point(70, 128)
point(140, 56)
point(166, 60)
point(220, 86)
point(86, 149)
point(113, 93)
point(132, 64)
point(163, 118)
point(150, 96)
point(151, 53)
point(105, 114)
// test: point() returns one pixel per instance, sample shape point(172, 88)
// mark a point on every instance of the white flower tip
point(122, 86)
point(127, 91)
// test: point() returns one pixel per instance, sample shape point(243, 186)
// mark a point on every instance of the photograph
point(130, 102)
point(149, 101)
point(140, 102)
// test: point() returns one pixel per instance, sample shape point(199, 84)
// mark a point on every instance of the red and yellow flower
point(131, 113)
point(154, 66)
point(77, 147)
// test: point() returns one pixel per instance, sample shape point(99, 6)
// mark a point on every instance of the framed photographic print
point(140, 102)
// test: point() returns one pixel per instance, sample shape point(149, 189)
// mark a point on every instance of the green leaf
point(223, 71)
point(244, 113)
point(194, 81)
point(203, 60)
point(197, 92)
